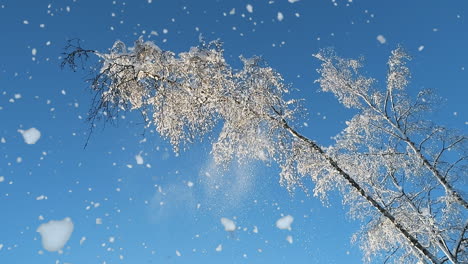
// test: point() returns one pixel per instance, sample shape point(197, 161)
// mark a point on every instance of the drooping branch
point(75, 57)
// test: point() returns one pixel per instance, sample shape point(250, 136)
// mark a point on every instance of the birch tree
point(398, 171)
point(409, 164)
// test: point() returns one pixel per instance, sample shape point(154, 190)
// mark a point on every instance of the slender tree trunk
point(411, 239)
point(448, 188)
point(404, 137)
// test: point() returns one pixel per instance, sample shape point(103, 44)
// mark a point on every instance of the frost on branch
point(186, 95)
point(398, 172)
point(342, 78)
point(398, 72)
point(408, 164)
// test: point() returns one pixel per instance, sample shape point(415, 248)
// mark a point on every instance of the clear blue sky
point(150, 210)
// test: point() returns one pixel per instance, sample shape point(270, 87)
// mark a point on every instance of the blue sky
point(169, 204)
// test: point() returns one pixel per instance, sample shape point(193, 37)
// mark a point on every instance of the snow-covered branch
point(385, 161)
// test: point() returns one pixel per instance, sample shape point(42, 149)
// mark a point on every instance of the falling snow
point(228, 224)
point(249, 8)
point(30, 136)
point(101, 175)
point(219, 248)
point(285, 222)
point(280, 16)
point(139, 159)
point(55, 234)
point(381, 39)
